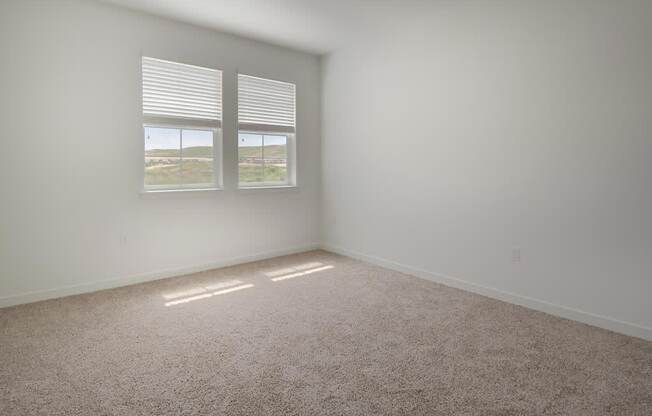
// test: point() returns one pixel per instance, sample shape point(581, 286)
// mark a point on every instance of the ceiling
point(314, 26)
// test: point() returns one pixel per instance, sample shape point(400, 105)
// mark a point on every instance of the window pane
point(250, 158)
point(197, 156)
point(162, 157)
point(275, 158)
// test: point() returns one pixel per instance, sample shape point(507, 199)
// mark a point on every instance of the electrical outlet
point(516, 254)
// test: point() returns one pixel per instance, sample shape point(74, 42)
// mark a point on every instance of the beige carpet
point(310, 334)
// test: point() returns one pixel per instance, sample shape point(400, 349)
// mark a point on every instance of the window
point(182, 113)
point(266, 129)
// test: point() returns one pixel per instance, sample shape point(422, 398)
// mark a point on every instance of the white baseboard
point(36, 296)
point(604, 322)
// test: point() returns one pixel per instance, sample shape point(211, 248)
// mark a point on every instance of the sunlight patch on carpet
point(202, 289)
point(307, 272)
point(209, 295)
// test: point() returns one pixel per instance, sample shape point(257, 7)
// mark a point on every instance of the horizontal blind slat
point(266, 88)
point(180, 80)
point(178, 113)
point(267, 99)
point(185, 96)
point(250, 108)
point(205, 75)
point(167, 100)
point(270, 83)
point(159, 87)
point(263, 118)
point(173, 89)
point(261, 93)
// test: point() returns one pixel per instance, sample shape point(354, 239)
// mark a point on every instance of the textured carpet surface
point(310, 334)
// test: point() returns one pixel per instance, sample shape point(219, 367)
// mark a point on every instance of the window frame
point(289, 161)
point(291, 144)
point(217, 157)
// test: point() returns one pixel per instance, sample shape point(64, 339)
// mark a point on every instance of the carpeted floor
point(310, 334)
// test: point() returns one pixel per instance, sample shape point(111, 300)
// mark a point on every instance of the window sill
point(269, 187)
point(162, 192)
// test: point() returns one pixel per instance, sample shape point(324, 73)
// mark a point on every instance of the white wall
point(71, 146)
point(459, 130)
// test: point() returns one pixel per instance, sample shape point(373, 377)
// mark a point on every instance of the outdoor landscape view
point(262, 158)
point(176, 158)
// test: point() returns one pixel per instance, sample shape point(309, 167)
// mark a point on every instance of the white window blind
point(265, 105)
point(180, 92)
